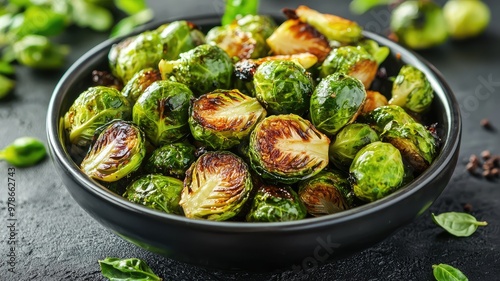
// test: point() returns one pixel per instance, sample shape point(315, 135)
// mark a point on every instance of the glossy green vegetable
point(348, 142)
point(287, 149)
point(353, 61)
point(116, 269)
point(336, 102)
point(223, 118)
point(257, 24)
point(376, 171)
point(6, 86)
point(373, 100)
point(203, 69)
point(326, 193)
point(36, 20)
point(444, 272)
point(381, 116)
point(466, 18)
point(139, 83)
point(117, 150)
point(162, 112)
point(156, 191)
point(93, 108)
point(23, 152)
point(87, 14)
point(179, 37)
point(379, 53)
point(128, 24)
point(411, 90)
point(237, 43)
point(362, 6)
point(235, 8)
point(283, 87)
point(171, 159)
point(38, 51)
point(419, 24)
point(458, 224)
point(216, 186)
point(276, 203)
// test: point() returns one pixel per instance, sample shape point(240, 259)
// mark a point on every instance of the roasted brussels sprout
point(93, 108)
point(353, 61)
point(381, 116)
point(283, 87)
point(376, 171)
point(216, 186)
point(419, 24)
point(348, 142)
point(295, 37)
point(276, 203)
point(411, 90)
point(171, 159)
point(179, 37)
point(326, 193)
point(135, 53)
point(203, 69)
point(260, 24)
point(466, 18)
point(336, 102)
point(373, 100)
point(287, 149)
point(139, 82)
point(157, 192)
point(223, 118)
point(117, 150)
point(238, 43)
point(162, 112)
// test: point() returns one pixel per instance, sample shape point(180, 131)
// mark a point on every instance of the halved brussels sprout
point(93, 108)
point(117, 150)
point(373, 100)
point(376, 171)
point(139, 82)
point(238, 43)
point(135, 53)
point(336, 102)
point(276, 203)
point(171, 159)
point(162, 112)
point(259, 24)
point(287, 149)
point(157, 192)
point(216, 186)
point(353, 61)
point(381, 116)
point(411, 90)
point(283, 87)
point(179, 37)
point(348, 142)
point(203, 69)
point(223, 118)
point(326, 193)
point(295, 37)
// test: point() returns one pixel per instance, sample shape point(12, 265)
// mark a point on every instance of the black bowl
point(239, 245)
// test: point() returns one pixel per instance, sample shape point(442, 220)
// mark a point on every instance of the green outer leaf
point(127, 25)
point(239, 7)
point(362, 6)
point(444, 272)
point(131, 6)
point(458, 224)
point(132, 269)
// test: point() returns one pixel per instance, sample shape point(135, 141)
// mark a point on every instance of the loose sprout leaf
point(131, 6)
point(6, 68)
point(239, 7)
point(127, 25)
point(444, 272)
point(86, 14)
point(23, 152)
point(116, 269)
point(362, 6)
point(458, 224)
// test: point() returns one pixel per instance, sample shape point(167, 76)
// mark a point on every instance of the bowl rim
point(449, 146)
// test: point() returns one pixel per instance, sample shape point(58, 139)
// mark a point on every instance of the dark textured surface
point(57, 240)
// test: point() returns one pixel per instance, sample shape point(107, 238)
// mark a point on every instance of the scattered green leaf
point(458, 224)
point(444, 272)
point(116, 269)
point(23, 152)
point(127, 25)
point(131, 6)
point(37, 51)
point(362, 6)
point(239, 7)
point(86, 14)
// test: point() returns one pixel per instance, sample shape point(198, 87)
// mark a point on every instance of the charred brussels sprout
point(117, 150)
point(373, 100)
point(139, 83)
point(156, 192)
point(238, 43)
point(283, 87)
point(171, 159)
point(336, 102)
point(411, 90)
point(162, 112)
point(326, 193)
point(381, 116)
point(276, 203)
point(93, 108)
point(376, 171)
point(287, 149)
point(222, 119)
point(353, 61)
point(216, 186)
point(179, 37)
point(348, 142)
point(135, 53)
point(203, 69)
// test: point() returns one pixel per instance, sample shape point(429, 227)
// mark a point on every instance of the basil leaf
point(131, 6)
point(239, 7)
point(127, 25)
point(458, 224)
point(132, 269)
point(444, 272)
point(361, 6)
